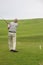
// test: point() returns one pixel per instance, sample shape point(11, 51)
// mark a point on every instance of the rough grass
point(29, 39)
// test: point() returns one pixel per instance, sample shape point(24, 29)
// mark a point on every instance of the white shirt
point(12, 26)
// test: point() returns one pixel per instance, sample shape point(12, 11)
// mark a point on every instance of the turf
point(29, 39)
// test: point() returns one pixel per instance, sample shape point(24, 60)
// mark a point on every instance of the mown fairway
point(29, 39)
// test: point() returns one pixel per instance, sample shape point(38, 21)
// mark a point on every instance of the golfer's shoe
point(13, 50)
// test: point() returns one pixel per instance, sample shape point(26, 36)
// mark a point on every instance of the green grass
point(29, 38)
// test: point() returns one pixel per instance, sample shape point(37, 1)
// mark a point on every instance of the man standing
point(12, 35)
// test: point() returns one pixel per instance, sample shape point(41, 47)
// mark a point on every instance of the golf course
point(29, 43)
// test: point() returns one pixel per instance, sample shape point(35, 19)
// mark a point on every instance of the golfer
point(12, 35)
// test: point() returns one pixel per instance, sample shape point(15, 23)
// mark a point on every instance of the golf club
point(4, 20)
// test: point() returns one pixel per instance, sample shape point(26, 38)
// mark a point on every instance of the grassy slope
point(29, 38)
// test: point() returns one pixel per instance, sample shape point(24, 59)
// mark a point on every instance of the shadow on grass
point(38, 38)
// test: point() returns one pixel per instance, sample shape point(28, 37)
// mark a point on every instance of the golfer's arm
point(8, 26)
